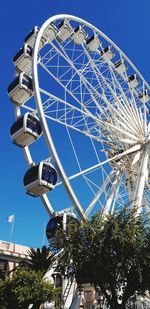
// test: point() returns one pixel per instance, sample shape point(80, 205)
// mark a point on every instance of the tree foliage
point(24, 288)
point(41, 259)
point(109, 253)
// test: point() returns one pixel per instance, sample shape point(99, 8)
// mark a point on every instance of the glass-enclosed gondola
point(133, 81)
point(120, 66)
point(21, 89)
point(30, 38)
point(144, 96)
point(40, 178)
point(23, 59)
point(79, 35)
point(50, 32)
point(26, 130)
point(65, 31)
point(107, 54)
point(58, 223)
point(93, 43)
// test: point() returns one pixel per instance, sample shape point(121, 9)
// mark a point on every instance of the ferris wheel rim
point(38, 96)
point(78, 19)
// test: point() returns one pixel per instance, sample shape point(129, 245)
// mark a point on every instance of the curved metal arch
point(80, 20)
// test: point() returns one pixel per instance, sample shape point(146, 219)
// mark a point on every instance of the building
point(10, 256)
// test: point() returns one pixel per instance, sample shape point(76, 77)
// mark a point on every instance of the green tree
point(24, 288)
point(110, 253)
point(41, 259)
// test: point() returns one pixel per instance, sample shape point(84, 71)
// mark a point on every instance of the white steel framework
point(94, 109)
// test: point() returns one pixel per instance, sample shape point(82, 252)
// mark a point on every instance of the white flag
point(11, 218)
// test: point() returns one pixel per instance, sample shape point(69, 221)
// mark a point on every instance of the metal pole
point(141, 180)
point(111, 193)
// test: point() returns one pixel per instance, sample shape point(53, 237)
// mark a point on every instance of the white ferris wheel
point(74, 85)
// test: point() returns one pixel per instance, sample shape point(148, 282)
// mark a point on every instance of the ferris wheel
point(74, 85)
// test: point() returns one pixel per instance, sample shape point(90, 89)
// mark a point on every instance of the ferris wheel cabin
point(79, 35)
point(40, 179)
point(65, 31)
point(58, 223)
point(133, 81)
point(21, 89)
point(31, 37)
point(144, 97)
point(120, 66)
point(107, 54)
point(26, 130)
point(93, 43)
point(50, 32)
point(23, 59)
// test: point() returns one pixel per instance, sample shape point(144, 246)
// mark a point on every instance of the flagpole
point(12, 229)
point(44, 234)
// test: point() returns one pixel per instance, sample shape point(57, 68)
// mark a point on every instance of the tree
point(41, 259)
point(24, 288)
point(110, 253)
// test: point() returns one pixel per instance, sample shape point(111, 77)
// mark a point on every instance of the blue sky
point(127, 23)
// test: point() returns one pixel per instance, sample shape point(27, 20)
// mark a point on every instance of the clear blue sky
point(127, 23)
